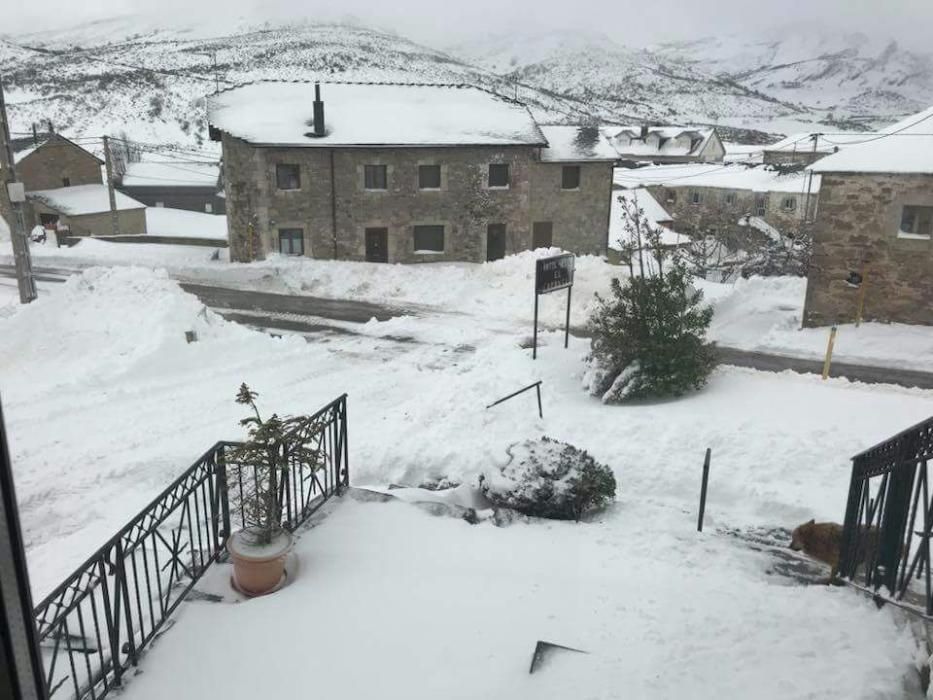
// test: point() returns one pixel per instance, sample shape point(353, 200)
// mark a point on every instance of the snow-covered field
point(106, 402)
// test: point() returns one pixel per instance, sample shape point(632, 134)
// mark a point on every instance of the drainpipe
point(333, 202)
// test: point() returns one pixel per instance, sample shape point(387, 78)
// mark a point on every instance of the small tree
point(649, 336)
point(264, 460)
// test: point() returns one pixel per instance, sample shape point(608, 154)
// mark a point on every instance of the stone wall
point(714, 212)
point(799, 157)
point(132, 221)
point(57, 159)
point(580, 217)
point(858, 222)
point(464, 204)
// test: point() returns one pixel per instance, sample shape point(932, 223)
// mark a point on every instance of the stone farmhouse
point(57, 162)
point(190, 186)
point(873, 236)
point(666, 144)
point(721, 200)
point(84, 210)
point(404, 173)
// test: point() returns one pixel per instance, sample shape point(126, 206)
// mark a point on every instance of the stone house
point(57, 162)
point(719, 200)
point(84, 210)
point(404, 173)
point(175, 185)
point(666, 144)
point(873, 235)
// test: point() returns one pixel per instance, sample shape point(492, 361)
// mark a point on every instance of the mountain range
point(148, 81)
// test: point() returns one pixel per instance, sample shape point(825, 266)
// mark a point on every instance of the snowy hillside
point(846, 76)
point(86, 79)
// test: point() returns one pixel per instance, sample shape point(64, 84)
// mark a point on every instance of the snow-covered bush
point(550, 479)
point(649, 335)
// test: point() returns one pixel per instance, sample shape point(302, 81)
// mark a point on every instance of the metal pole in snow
point(567, 323)
point(534, 349)
point(703, 488)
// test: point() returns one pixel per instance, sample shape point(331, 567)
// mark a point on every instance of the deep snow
point(106, 402)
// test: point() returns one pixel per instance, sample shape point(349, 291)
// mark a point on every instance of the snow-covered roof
point(628, 140)
point(48, 139)
point(171, 174)
point(82, 199)
point(904, 147)
point(652, 210)
point(373, 114)
point(825, 143)
point(576, 144)
point(743, 153)
point(735, 176)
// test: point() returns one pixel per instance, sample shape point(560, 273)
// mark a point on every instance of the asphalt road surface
point(306, 314)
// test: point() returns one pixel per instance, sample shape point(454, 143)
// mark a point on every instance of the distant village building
point(404, 173)
point(720, 200)
point(875, 228)
point(806, 149)
point(176, 185)
point(57, 162)
point(666, 144)
point(84, 210)
point(640, 199)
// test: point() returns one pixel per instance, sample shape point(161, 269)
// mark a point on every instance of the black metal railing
point(94, 625)
point(889, 519)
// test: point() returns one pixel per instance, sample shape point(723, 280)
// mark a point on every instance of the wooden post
point(534, 348)
point(108, 164)
point(829, 352)
point(861, 296)
point(567, 322)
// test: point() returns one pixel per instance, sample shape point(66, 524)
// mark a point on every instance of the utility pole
point(12, 198)
point(108, 161)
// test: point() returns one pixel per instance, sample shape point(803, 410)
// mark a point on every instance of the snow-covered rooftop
point(659, 140)
point(373, 114)
point(758, 178)
point(903, 147)
point(171, 174)
point(576, 144)
point(82, 199)
point(825, 143)
point(653, 212)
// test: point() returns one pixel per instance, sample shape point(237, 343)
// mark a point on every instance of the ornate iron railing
point(889, 520)
point(94, 625)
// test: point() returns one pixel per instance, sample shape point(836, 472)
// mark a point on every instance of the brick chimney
point(318, 111)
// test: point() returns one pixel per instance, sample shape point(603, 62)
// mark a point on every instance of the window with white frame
point(789, 204)
point(916, 223)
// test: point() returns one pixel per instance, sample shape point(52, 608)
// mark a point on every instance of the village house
point(57, 162)
point(176, 185)
point(404, 173)
point(873, 236)
point(666, 144)
point(640, 200)
point(84, 210)
point(806, 149)
point(729, 200)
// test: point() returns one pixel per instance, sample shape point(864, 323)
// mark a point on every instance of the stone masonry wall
point(464, 204)
point(858, 221)
point(132, 221)
point(47, 166)
point(581, 216)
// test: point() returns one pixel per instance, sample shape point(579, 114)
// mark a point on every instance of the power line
point(896, 132)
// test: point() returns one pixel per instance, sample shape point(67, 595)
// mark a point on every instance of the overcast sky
point(440, 22)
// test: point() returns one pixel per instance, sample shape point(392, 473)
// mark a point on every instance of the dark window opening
point(66, 182)
point(542, 234)
point(916, 222)
point(695, 198)
point(789, 204)
point(429, 177)
point(375, 177)
point(730, 199)
point(287, 176)
point(570, 177)
point(291, 241)
point(499, 175)
point(377, 244)
point(429, 238)
point(761, 206)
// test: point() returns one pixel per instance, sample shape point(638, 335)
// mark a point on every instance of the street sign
point(554, 273)
point(551, 275)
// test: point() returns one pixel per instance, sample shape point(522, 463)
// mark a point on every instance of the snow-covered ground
point(106, 402)
point(164, 221)
point(762, 314)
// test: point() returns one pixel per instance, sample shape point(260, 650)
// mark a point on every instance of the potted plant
point(258, 551)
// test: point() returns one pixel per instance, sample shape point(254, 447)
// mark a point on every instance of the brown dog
point(823, 541)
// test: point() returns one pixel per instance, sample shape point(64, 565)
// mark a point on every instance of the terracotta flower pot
point(258, 568)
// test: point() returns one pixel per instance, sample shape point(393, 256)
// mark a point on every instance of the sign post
point(553, 274)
